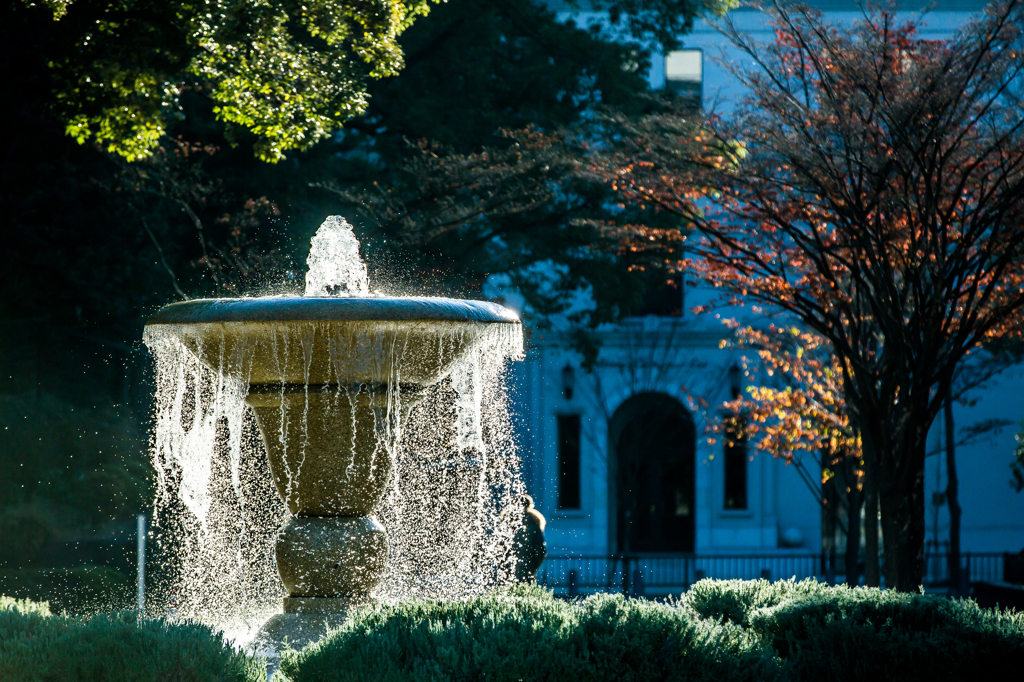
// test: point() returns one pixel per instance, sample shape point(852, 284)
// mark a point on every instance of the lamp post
point(735, 381)
point(140, 592)
point(568, 381)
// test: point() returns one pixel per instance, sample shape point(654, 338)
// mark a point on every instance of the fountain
point(332, 378)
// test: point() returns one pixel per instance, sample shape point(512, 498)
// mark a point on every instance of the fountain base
point(329, 564)
point(305, 620)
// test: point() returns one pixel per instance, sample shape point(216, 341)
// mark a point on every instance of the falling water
point(454, 460)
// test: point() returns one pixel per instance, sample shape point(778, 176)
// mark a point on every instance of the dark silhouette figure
point(528, 544)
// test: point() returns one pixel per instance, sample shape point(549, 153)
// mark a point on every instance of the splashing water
point(335, 268)
point(454, 460)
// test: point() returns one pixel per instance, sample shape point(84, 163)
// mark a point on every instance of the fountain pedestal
point(327, 449)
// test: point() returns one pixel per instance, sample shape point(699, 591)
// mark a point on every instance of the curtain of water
point(455, 467)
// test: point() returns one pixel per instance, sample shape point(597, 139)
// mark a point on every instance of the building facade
point(620, 459)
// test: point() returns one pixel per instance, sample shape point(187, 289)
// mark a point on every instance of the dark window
point(569, 461)
point(665, 296)
point(735, 464)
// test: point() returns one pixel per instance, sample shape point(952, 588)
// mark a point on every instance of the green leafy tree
point(96, 241)
point(289, 72)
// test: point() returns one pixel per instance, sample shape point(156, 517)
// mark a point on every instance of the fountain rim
point(331, 309)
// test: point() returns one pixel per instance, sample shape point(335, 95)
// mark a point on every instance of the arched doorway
point(652, 441)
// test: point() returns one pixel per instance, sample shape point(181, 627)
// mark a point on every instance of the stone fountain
point(330, 379)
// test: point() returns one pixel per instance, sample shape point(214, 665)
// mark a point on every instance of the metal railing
point(976, 566)
point(635, 573)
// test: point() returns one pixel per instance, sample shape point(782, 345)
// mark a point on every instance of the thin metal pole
point(141, 595)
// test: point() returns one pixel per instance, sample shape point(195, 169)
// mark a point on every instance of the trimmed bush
point(720, 630)
point(860, 634)
point(115, 648)
point(727, 630)
point(526, 634)
point(733, 601)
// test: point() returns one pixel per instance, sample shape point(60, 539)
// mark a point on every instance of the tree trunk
point(952, 499)
point(872, 576)
point(901, 496)
point(829, 525)
point(894, 439)
point(854, 502)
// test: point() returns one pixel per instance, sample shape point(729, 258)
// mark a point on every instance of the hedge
point(719, 630)
point(867, 634)
point(118, 647)
point(527, 634)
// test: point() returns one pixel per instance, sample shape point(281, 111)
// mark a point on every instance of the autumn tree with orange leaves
point(795, 409)
point(871, 184)
point(804, 410)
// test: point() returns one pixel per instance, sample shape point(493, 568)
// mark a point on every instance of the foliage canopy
point(117, 647)
point(290, 72)
point(286, 71)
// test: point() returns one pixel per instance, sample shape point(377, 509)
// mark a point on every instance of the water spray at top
point(335, 268)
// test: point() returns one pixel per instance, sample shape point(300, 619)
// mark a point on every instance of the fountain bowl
point(322, 374)
point(321, 341)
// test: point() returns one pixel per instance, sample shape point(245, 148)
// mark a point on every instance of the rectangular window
point(568, 461)
point(667, 298)
point(735, 464)
point(684, 75)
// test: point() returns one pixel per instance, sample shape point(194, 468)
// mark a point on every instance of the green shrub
point(116, 648)
point(721, 630)
point(733, 601)
point(526, 634)
point(728, 630)
point(840, 634)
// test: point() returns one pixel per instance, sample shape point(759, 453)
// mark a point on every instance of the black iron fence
point(974, 567)
point(637, 573)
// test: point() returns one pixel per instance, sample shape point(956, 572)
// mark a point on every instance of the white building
point(618, 458)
